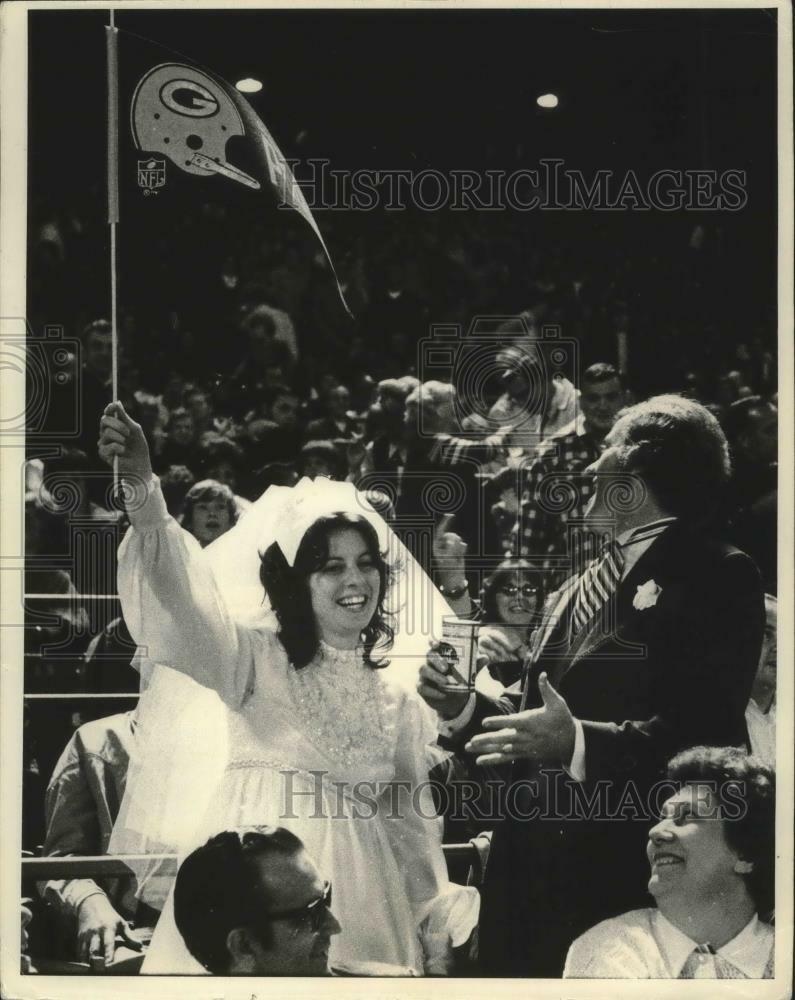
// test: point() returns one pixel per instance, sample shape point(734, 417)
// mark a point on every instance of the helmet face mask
point(187, 116)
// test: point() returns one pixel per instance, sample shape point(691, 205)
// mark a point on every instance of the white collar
point(749, 951)
point(769, 716)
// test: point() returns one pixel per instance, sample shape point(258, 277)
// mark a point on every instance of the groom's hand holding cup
point(434, 685)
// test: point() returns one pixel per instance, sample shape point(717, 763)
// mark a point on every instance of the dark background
point(640, 90)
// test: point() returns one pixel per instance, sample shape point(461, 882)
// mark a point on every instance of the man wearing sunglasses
point(252, 902)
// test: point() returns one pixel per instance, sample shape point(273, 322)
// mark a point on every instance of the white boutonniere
point(647, 595)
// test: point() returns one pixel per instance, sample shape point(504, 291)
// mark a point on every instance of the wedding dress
point(232, 735)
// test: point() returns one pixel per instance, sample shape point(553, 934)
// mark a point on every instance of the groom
point(651, 649)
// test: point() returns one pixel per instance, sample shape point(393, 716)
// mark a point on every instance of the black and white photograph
point(396, 402)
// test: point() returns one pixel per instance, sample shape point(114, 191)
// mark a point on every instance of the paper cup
point(458, 649)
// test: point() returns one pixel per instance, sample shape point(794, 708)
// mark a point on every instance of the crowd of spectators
point(245, 371)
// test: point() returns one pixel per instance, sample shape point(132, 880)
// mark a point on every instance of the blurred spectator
point(221, 459)
point(560, 466)
point(335, 423)
point(209, 511)
point(95, 380)
point(437, 454)
point(197, 401)
point(386, 451)
point(321, 458)
point(751, 427)
point(262, 351)
point(108, 660)
point(179, 447)
point(536, 401)
point(175, 483)
point(760, 716)
point(82, 803)
point(511, 608)
point(25, 917)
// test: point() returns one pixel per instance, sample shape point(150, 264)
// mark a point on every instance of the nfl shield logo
point(151, 174)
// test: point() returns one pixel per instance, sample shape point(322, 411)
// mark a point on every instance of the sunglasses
point(314, 912)
point(511, 590)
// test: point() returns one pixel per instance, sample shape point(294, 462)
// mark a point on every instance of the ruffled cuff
point(446, 922)
point(147, 510)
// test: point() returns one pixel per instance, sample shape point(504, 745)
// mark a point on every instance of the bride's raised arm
point(170, 600)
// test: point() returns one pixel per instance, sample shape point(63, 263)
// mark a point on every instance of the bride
point(282, 714)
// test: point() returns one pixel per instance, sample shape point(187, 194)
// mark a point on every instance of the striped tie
point(597, 585)
point(704, 963)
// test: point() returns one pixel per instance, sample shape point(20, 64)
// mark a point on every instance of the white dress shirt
point(642, 944)
point(762, 732)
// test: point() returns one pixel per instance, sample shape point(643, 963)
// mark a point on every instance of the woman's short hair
point(739, 778)
point(287, 588)
point(202, 492)
point(218, 889)
point(678, 449)
point(505, 572)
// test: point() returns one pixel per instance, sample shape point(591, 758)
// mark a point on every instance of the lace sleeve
point(172, 604)
point(445, 914)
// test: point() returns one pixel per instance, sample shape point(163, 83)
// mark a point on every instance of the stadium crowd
point(247, 373)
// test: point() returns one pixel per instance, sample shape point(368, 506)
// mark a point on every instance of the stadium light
point(547, 101)
point(249, 86)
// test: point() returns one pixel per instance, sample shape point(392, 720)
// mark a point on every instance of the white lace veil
point(181, 743)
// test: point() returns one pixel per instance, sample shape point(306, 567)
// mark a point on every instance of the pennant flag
point(186, 120)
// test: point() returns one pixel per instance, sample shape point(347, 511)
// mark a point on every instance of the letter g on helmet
point(187, 116)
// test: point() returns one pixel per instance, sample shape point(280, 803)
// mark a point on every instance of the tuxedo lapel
point(551, 632)
point(656, 563)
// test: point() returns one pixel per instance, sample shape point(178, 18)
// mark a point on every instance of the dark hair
point(732, 770)
point(678, 449)
point(327, 451)
point(207, 489)
point(179, 413)
point(288, 589)
point(217, 889)
point(601, 372)
point(506, 570)
point(738, 417)
point(216, 448)
point(175, 483)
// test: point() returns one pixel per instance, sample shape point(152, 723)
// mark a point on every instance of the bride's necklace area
point(340, 701)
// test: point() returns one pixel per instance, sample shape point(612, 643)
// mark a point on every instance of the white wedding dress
point(336, 752)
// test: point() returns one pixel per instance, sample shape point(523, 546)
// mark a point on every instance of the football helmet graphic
point(187, 116)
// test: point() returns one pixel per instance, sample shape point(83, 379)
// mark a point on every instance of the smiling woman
point(297, 729)
point(335, 590)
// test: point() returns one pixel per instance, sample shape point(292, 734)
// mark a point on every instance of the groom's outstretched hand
point(543, 734)
point(121, 437)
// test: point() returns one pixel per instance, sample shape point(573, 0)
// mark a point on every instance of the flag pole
point(112, 50)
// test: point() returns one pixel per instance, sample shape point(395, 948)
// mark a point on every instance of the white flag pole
point(112, 50)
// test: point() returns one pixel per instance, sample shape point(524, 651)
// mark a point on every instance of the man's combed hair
point(601, 372)
point(287, 588)
point(679, 450)
point(217, 890)
point(738, 777)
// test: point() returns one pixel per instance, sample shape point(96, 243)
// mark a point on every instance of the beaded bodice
point(340, 702)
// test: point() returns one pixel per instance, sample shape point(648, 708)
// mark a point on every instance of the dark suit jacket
point(659, 680)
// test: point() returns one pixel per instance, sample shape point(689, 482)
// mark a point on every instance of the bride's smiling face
point(345, 589)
